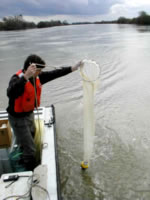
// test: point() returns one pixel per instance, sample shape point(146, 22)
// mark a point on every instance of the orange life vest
point(27, 101)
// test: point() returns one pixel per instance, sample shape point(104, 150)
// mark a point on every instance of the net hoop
point(90, 70)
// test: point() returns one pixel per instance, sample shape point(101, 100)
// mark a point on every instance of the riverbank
point(18, 23)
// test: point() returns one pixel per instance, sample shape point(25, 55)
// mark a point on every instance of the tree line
point(18, 23)
point(142, 19)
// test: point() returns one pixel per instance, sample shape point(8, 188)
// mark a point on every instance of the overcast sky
point(73, 10)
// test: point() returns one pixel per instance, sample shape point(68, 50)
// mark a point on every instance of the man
point(23, 99)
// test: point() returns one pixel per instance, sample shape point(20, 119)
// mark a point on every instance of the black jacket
point(16, 87)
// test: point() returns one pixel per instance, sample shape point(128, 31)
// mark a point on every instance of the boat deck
point(48, 171)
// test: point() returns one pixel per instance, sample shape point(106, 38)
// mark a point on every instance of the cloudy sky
point(73, 10)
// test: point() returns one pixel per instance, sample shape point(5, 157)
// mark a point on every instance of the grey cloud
point(51, 7)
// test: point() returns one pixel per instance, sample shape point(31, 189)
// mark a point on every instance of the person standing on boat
point(23, 99)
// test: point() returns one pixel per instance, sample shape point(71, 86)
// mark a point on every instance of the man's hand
point(77, 66)
point(30, 72)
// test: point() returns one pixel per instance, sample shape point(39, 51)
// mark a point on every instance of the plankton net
point(90, 72)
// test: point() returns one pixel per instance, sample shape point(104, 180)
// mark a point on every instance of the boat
point(44, 182)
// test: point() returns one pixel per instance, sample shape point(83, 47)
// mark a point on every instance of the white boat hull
point(49, 177)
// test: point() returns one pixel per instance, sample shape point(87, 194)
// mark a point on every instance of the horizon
point(73, 10)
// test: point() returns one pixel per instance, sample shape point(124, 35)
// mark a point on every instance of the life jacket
point(27, 101)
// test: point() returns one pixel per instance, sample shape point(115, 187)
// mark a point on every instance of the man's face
point(38, 71)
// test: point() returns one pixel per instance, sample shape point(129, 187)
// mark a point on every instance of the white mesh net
point(90, 73)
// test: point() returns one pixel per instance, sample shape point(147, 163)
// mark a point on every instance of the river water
point(120, 164)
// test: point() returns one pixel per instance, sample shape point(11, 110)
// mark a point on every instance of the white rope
point(28, 193)
point(36, 104)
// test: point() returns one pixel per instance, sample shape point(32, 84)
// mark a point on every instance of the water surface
point(120, 164)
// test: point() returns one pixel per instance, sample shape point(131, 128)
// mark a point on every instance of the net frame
point(84, 73)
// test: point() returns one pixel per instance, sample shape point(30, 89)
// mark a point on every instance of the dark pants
point(24, 130)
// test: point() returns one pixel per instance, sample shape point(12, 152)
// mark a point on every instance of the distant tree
point(45, 24)
point(65, 22)
point(80, 23)
point(4, 19)
point(55, 23)
point(1, 26)
point(16, 23)
point(133, 21)
point(41, 24)
point(123, 20)
point(143, 19)
point(142, 14)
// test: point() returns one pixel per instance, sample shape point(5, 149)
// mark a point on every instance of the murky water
point(120, 164)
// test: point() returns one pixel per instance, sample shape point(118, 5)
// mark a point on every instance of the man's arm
point(51, 75)
point(16, 86)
